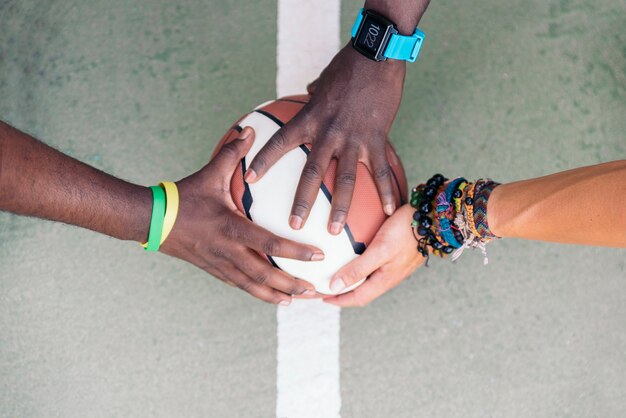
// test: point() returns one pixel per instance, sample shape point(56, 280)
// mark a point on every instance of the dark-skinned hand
point(349, 116)
point(214, 235)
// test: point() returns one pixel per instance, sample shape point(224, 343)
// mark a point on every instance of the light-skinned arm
point(585, 206)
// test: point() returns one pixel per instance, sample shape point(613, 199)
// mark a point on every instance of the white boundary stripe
point(308, 331)
point(308, 361)
point(308, 38)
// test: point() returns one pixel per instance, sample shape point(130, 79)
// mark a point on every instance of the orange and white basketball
point(268, 201)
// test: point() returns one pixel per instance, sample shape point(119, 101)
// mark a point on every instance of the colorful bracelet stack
point(164, 213)
point(451, 216)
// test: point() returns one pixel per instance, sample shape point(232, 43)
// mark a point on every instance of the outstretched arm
point(37, 180)
point(584, 206)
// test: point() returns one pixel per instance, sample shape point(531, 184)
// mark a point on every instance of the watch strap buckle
point(405, 47)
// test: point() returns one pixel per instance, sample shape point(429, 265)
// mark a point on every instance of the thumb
point(359, 268)
point(311, 87)
point(231, 153)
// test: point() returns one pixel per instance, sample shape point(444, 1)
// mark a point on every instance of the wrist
point(452, 216)
point(500, 217)
point(383, 71)
point(406, 14)
point(135, 223)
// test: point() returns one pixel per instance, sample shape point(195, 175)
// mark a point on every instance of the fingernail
point(245, 134)
point(309, 292)
point(295, 222)
point(389, 208)
point(337, 285)
point(284, 303)
point(335, 228)
point(250, 176)
point(317, 256)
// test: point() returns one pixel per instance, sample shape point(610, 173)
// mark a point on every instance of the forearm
point(582, 206)
point(404, 13)
point(36, 180)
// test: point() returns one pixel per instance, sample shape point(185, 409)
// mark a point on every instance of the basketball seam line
point(272, 117)
point(291, 100)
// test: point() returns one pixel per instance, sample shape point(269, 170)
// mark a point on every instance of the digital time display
point(372, 34)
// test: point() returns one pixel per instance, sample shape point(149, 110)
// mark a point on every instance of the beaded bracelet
point(443, 214)
point(425, 222)
point(450, 217)
point(458, 194)
point(468, 208)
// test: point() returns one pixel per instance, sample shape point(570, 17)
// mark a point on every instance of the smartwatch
point(377, 37)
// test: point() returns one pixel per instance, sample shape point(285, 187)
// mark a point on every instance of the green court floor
point(90, 326)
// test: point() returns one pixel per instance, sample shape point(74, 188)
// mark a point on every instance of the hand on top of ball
point(213, 235)
point(349, 116)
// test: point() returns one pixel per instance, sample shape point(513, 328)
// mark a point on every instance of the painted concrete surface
point(90, 326)
point(510, 90)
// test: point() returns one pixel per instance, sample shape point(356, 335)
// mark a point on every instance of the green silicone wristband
point(156, 222)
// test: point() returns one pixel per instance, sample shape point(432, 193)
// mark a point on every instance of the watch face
point(372, 34)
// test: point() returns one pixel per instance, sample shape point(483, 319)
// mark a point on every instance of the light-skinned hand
point(390, 258)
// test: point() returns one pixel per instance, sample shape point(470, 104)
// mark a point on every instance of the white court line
point(308, 331)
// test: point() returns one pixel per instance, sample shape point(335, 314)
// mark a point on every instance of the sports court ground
point(90, 326)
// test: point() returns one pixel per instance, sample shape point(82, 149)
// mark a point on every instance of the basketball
point(268, 201)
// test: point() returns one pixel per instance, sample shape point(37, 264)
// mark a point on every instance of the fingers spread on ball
point(383, 177)
point(262, 273)
point(231, 275)
point(345, 181)
point(285, 139)
point(231, 153)
point(265, 242)
point(309, 186)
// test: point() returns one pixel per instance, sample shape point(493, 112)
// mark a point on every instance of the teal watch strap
point(407, 48)
point(357, 23)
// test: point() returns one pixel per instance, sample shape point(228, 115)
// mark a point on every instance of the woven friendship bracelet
point(443, 212)
point(469, 208)
point(483, 190)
